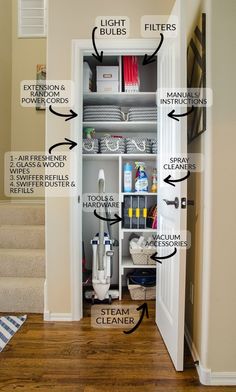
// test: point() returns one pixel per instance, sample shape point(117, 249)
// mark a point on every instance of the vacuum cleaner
point(103, 253)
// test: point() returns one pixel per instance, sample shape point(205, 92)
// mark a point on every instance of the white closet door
point(172, 139)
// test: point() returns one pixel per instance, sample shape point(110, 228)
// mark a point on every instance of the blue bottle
point(128, 177)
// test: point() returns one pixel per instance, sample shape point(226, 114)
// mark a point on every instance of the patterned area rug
point(9, 325)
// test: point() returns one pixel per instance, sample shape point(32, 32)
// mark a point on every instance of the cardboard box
point(107, 87)
point(107, 73)
point(107, 79)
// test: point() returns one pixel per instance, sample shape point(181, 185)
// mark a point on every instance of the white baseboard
point(48, 316)
point(15, 201)
point(30, 201)
point(223, 378)
point(206, 376)
point(191, 345)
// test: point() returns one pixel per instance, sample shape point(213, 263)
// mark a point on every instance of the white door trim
point(80, 48)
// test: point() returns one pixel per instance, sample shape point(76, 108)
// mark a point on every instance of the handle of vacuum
point(101, 189)
point(109, 229)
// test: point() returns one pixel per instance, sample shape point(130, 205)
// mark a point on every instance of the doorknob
point(185, 203)
point(173, 202)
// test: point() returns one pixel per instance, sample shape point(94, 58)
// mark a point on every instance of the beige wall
point(5, 83)
point(222, 316)
point(70, 20)
point(194, 267)
point(22, 129)
point(194, 9)
point(210, 264)
point(27, 124)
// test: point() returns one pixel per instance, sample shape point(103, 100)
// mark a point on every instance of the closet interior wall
point(113, 164)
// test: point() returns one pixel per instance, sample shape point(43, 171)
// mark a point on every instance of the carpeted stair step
point(22, 214)
point(28, 263)
point(21, 295)
point(22, 237)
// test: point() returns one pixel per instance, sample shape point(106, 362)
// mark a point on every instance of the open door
point(172, 139)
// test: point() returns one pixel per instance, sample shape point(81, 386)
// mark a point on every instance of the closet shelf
point(122, 126)
point(141, 157)
point(121, 99)
point(97, 157)
point(139, 230)
point(139, 193)
point(128, 263)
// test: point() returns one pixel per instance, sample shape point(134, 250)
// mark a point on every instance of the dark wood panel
point(196, 77)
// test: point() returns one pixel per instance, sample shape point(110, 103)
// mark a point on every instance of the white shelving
point(147, 157)
point(119, 126)
point(121, 99)
point(95, 157)
point(139, 193)
point(113, 164)
point(100, 157)
point(139, 230)
point(127, 262)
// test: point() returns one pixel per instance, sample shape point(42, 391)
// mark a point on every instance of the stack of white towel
point(142, 243)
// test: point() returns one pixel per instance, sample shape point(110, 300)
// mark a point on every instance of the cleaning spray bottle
point(128, 177)
point(141, 179)
point(154, 180)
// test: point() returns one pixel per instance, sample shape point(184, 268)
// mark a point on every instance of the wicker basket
point(138, 292)
point(142, 256)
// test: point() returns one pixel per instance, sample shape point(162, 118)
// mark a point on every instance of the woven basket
point(90, 146)
point(142, 256)
point(138, 145)
point(111, 145)
point(138, 292)
point(154, 146)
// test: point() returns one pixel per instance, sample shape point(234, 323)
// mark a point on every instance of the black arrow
point(174, 116)
point(69, 116)
point(150, 59)
point(171, 182)
point(69, 142)
point(97, 56)
point(117, 220)
point(158, 259)
point(144, 308)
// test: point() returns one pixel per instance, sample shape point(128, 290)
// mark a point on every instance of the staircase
point(22, 258)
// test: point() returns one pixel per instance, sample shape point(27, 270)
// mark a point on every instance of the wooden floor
point(45, 356)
